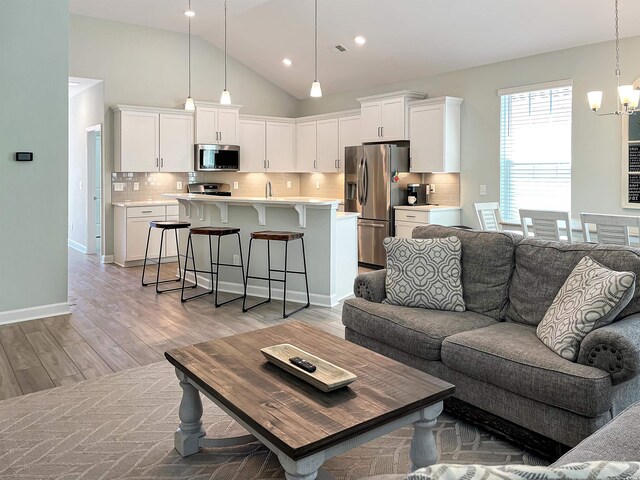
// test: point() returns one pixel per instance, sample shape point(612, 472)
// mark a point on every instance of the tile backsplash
point(151, 186)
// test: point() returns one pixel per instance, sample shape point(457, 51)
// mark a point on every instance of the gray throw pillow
point(424, 273)
point(573, 471)
point(591, 297)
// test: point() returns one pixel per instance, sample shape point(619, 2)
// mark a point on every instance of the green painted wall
point(33, 117)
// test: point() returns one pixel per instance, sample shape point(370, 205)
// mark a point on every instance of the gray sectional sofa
point(505, 377)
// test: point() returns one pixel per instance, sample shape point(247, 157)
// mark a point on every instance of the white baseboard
point(107, 259)
point(33, 313)
point(77, 246)
point(263, 292)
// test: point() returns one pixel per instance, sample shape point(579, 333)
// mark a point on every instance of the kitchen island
point(331, 243)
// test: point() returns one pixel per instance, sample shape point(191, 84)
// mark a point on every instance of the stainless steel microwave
point(217, 158)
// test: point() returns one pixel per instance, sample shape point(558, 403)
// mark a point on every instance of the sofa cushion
point(416, 331)
point(424, 273)
point(542, 267)
point(512, 357)
point(487, 263)
point(590, 298)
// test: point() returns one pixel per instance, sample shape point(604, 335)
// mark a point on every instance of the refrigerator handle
point(365, 182)
point(358, 186)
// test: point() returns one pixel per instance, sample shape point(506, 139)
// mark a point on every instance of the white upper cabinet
point(349, 136)
point(280, 141)
point(434, 133)
point(385, 117)
point(217, 124)
point(327, 145)
point(252, 146)
point(176, 143)
point(306, 139)
point(152, 140)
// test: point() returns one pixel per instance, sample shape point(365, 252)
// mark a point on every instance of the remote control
point(303, 364)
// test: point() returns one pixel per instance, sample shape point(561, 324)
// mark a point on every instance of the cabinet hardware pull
point(147, 211)
point(315, 164)
point(382, 131)
point(411, 216)
point(157, 163)
point(220, 134)
point(378, 131)
point(161, 162)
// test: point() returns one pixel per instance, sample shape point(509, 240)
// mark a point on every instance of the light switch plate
point(136, 185)
point(118, 187)
point(483, 189)
point(432, 188)
point(288, 183)
point(178, 185)
point(235, 185)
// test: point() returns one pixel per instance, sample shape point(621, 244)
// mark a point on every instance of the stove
point(219, 189)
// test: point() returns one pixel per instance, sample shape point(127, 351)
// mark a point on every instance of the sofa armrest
point(614, 349)
point(370, 286)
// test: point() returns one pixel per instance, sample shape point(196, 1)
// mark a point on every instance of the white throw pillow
point(591, 297)
point(572, 471)
point(424, 273)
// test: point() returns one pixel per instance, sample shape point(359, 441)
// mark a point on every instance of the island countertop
point(309, 201)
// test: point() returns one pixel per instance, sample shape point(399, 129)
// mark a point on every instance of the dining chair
point(489, 216)
point(611, 229)
point(546, 224)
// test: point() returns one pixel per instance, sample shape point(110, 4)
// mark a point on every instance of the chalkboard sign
point(634, 188)
point(634, 157)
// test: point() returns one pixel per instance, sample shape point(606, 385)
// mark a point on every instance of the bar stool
point(210, 232)
point(285, 237)
point(163, 225)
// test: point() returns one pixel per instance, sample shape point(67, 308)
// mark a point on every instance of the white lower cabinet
point(407, 218)
point(131, 227)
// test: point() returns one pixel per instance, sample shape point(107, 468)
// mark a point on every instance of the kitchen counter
point(330, 241)
point(427, 208)
point(145, 203)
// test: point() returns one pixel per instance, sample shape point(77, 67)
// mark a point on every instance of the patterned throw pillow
point(572, 471)
point(591, 297)
point(424, 273)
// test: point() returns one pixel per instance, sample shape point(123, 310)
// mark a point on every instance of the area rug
point(121, 427)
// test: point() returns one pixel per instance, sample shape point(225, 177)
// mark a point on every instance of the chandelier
point(627, 96)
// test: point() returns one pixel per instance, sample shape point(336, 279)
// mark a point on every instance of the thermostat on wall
point(24, 156)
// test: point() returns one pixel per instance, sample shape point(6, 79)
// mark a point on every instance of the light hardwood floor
point(117, 324)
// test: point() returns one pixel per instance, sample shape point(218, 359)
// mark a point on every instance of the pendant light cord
point(316, 40)
point(189, 50)
point(617, 48)
point(225, 44)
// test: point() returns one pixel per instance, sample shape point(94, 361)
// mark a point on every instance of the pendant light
point(316, 90)
point(628, 97)
point(225, 98)
point(188, 104)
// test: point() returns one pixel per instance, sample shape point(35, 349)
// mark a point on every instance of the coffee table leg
point(423, 445)
point(187, 438)
point(303, 469)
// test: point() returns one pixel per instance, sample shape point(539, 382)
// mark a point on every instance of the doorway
point(94, 192)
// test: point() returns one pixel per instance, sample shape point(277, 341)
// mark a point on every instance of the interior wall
point(33, 195)
point(596, 141)
point(149, 67)
point(85, 110)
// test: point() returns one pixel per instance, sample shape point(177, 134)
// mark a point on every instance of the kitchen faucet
point(268, 192)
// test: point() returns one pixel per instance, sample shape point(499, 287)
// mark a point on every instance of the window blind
point(535, 151)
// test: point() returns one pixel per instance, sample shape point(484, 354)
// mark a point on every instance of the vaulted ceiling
point(406, 39)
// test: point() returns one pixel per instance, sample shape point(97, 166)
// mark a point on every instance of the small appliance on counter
point(220, 189)
point(418, 193)
point(217, 158)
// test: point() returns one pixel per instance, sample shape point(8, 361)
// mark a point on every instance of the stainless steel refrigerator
point(369, 190)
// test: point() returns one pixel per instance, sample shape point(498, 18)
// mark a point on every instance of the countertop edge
point(144, 203)
point(426, 208)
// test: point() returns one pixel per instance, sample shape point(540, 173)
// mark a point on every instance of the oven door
point(217, 158)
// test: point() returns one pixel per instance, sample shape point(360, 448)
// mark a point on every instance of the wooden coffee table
point(299, 423)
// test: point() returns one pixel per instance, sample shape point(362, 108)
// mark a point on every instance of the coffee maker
point(418, 193)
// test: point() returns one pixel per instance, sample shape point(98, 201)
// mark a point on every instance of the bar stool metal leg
point(195, 271)
point(146, 253)
point(304, 263)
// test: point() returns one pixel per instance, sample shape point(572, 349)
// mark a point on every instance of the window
point(535, 149)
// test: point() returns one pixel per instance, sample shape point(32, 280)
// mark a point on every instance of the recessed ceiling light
point(190, 13)
point(74, 84)
point(287, 61)
point(360, 40)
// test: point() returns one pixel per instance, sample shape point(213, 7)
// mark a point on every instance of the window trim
point(536, 86)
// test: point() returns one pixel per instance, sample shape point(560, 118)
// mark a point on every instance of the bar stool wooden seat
point(210, 232)
point(164, 226)
point(280, 236)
